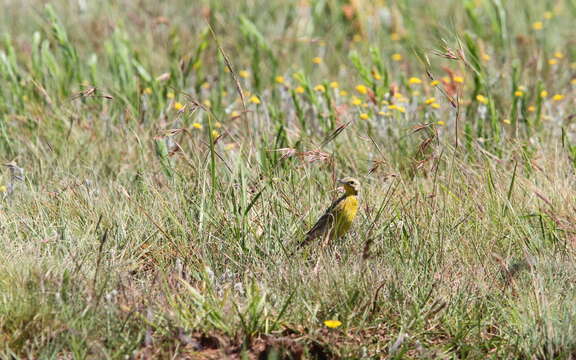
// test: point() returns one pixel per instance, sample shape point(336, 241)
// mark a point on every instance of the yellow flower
point(320, 88)
point(197, 126)
point(279, 79)
point(531, 108)
point(414, 81)
point(383, 113)
point(434, 83)
point(559, 55)
point(332, 324)
point(377, 76)
point(356, 101)
point(543, 94)
point(435, 106)
point(205, 85)
point(254, 99)
point(148, 91)
point(317, 60)
point(178, 106)
point(334, 85)
point(518, 93)
point(446, 79)
point(507, 121)
point(343, 93)
point(397, 57)
point(299, 90)
point(170, 95)
point(553, 61)
point(482, 99)
point(485, 57)
point(441, 123)
point(243, 74)
point(399, 108)
point(234, 114)
point(215, 134)
point(573, 81)
point(458, 79)
point(558, 97)
point(548, 15)
point(217, 124)
point(362, 89)
point(538, 25)
point(3, 188)
point(207, 103)
point(430, 101)
point(364, 116)
point(357, 38)
point(394, 36)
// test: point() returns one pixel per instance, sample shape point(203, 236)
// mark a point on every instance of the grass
point(159, 175)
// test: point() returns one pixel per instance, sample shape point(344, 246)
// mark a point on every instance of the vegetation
point(164, 159)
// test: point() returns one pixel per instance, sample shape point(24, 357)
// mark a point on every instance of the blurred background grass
point(152, 193)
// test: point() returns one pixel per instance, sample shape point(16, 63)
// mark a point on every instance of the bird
point(338, 218)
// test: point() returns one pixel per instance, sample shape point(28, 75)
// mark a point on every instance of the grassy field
point(164, 158)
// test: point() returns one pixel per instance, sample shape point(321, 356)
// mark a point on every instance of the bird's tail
point(301, 244)
point(307, 240)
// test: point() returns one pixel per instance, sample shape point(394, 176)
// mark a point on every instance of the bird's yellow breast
point(346, 213)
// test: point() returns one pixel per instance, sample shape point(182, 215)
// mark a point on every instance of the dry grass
point(150, 211)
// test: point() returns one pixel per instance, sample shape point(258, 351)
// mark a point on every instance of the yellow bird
point(338, 218)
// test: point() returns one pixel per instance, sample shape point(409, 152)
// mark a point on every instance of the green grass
point(151, 210)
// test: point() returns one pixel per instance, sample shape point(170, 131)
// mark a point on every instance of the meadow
point(163, 159)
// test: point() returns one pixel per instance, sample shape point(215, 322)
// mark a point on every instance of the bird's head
point(351, 185)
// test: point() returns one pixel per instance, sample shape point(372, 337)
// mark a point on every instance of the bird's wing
point(325, 222)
